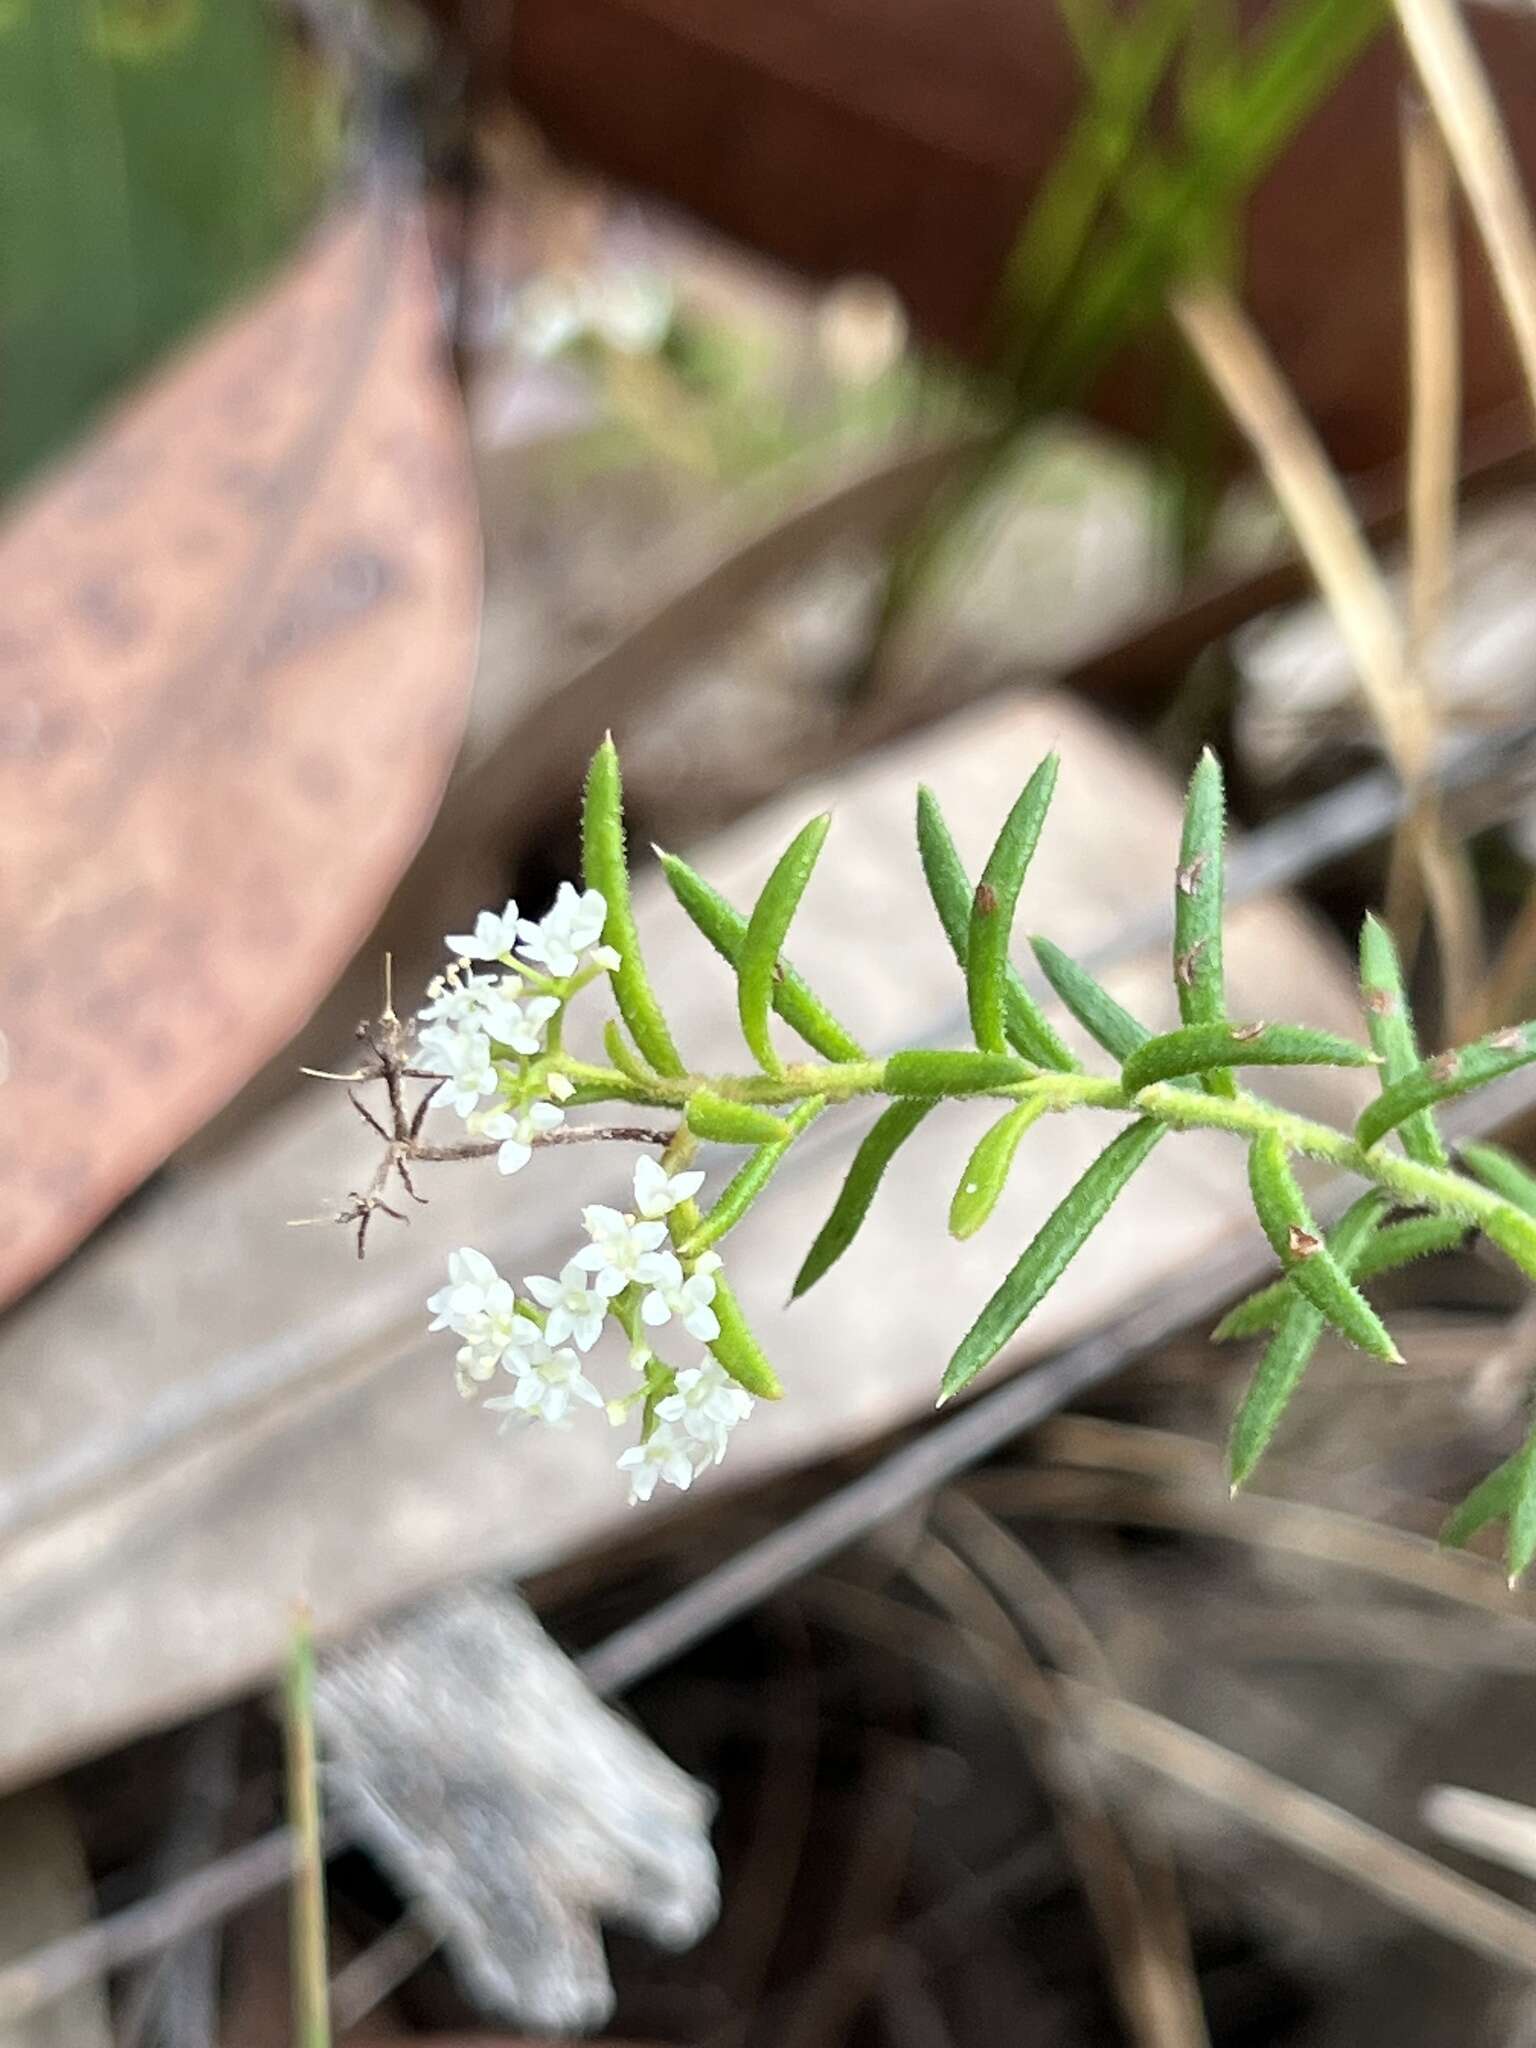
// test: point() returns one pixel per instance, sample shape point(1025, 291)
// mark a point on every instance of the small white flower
point(658, 1192)
point(608, 957)
point(631, 310)
point(663, 1455)
point(577, 1307)
point(571, 924)
point(706, 1406)
point(519, 1024)
point(548, 1380)
point(474, 1289)
point(491, 938)
point(621, 1250)
point(463, 1057)
point(459, 1000)
point(688, 1298)
point(518, 1130)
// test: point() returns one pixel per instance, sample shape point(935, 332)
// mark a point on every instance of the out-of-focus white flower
point(463, 1057)
point(631, 310)
point(577, 1307)
point(861, 329)
point(658, 1192)
point(687, 1297)
point(491, 938)
point(548, 1378)
point(705, 1407)
point(663, 1456)
point(550, 313)
point(572, 923)
point(621, 1250)
point(517, 1129)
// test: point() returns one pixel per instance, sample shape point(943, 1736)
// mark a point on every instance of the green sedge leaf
point(1389, 1023)
point(1392, 1246)
point(733, 1123)
point(737, 1350)
point(1197, 907)
point(605, 867)
point(1029, 1032)
point(1499, 1170)
point(987, 1170)
point(886, 1136)
point(758, 967)
point(1448, 1074)
point(1064, 1233)
point(1279, 1371)
point(990, 927)
point(1199, 1048)
point(955, 1073)
point(749, 1180)
point(1309, 1265)
point(1507, 1495)
point(726, 930)
point(622, 1055)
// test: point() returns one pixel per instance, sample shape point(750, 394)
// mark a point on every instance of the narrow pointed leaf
point(1029, 1031)
point(1389, 1022)
point(1392, 1246)
point(726, 930)
point(737, 1350)
point(955, 1073)
point(1064, 1233)
point(622, 1055)
point(759, 967)
point(1447, 1075)
point(1309, 1265)
point(725, 1122)
point(1499, 1170)
point(987, 1170)
point(884, 1139)
point(989, 931)
point(1507, 1495)
point(605, 866)
point(1279, 1371)
point(1105, 1021)
point(749, 1180)
point(1199, 1048)
point(1197, 907)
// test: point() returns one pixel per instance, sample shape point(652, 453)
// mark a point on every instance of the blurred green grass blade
point(995, 902)
point(759, 968)
point(882, 1142)
point(1028, 1031)
point(1389, 1023)
point(726, 930)
point(1501, 1171)
point(306, 1911)
point(1279, 1371)
point(1507, 1495)
point(1060, 1238)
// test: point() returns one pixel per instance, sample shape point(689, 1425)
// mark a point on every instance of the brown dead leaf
point(236, 640)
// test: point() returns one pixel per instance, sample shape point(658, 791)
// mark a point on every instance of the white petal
point(513, 1156)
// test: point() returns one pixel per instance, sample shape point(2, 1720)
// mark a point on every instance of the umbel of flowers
point(490, 1037)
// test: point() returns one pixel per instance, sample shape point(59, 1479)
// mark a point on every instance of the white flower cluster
point(622, 307)
point(624, 1273)
point(475, 1019)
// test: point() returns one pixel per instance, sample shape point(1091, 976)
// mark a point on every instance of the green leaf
point(749, 1180)
point(1309, 1265)
point(886, 1136)
point(955, 1073)
point(1499, 1170)
point(726, 930)
point(622, 1055)
point(606, 868)
point(987, 1170)
point(1448, 1074)
point(1029, 1032)
point(737, 1350)
point(1289, 1353)
point(725, 1122)
point(1089, 1001)
point(1197, 909)
point(1389, 1022)
point(758, 967)
point(1198, 1048)
point(1515, 1233)
point(990, 927)
point(1064, 1233)
point(1394, 1245)
point(1507, 1495)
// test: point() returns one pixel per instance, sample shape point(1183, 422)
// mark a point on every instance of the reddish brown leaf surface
point(236, 639)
